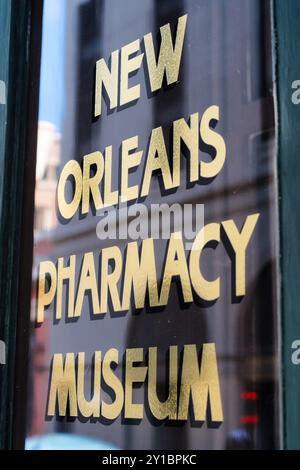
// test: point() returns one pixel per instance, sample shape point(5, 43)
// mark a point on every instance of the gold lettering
point(89, 408)
point(45, 298)
point(110, 197)
point(140, 273)
point(157, 147)
point(210, 137)
point(109, 281)
point(87, 282)
point(176, 265)
point(207, 290)
point(133, 375)
point(239, 242)
point(112, 410)
point(168, 408)
point(108, 78)
point(90, 184)
point(63, 386)
point(200, 385)
point(65, 273)
point(129, 160)
point(129, 65)
point(169, 56)
point(68, 209)
point(189, 134)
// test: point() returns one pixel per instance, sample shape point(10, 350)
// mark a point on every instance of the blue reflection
point(52, 63)
point(64, 441)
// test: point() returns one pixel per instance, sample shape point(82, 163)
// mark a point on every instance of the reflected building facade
point(213, 71)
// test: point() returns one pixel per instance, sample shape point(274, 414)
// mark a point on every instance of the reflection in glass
point(226, 61)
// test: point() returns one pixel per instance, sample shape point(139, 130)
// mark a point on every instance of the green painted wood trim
point(287, 37)
point(17, 41)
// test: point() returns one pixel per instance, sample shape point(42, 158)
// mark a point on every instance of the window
point(226, 64)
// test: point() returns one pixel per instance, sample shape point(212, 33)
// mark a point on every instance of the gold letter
point(45, 298)
point(68, 209)
point(65, 273)
point(176, 266)
point(189, 134)
point(239, 242)
point(87, 281)
point(200, 385)
point(140, 273)
point(91, 183)
point(133, 375)
point(109, 281)
point(167, 408)
point(129, 160)
point(63, 386)
point(110, 80)
point(110, 197)
point(112, 410)
point(128, 66)
point(91, 407)
point(207, 290)
point(210, 137)
point(157, 146)
point(169, 57)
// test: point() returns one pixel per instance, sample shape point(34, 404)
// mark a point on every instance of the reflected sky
point(52, 63)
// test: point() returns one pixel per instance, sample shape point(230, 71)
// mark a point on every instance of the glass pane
point(148, 339)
